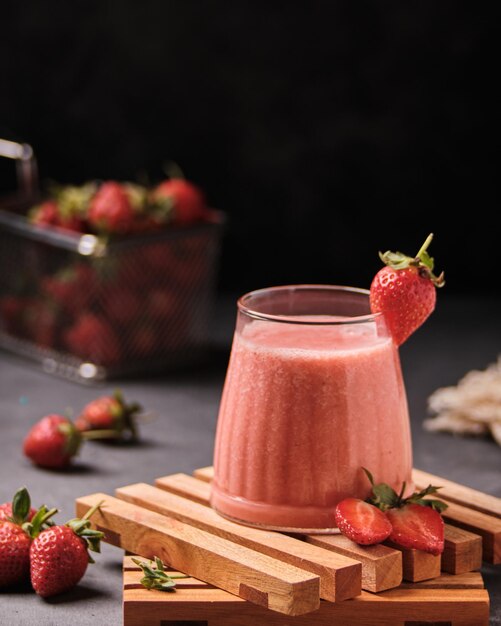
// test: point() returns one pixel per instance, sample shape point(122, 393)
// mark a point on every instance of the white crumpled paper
point(472, 407)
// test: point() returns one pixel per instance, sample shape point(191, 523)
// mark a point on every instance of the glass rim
point(291, 319)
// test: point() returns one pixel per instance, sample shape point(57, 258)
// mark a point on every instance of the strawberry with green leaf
point(15, 520)
point(412, 522)
point(110, 413)
point(59, 555)
point(52, 442)
point(404, 291)
point(178, 198)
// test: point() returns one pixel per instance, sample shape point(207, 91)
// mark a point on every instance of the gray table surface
point(462, 334)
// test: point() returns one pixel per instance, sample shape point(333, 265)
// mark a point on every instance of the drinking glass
point(313, 394)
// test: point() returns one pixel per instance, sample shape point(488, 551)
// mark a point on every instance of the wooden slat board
point(254, 576)
point(340, 576)
point(239, 570)
point(196, 603)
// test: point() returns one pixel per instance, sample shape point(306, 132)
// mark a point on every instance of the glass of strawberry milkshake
point(313, 393)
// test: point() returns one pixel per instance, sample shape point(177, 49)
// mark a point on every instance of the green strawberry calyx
point(21, 506)
point(40, 521)
point(385, 497)
point(81, 527)
point(157, 578)
point(126, 414)
point(73, 438)
point(422, 261)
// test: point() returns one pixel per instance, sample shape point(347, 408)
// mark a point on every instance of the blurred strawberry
point(147, 224)
point(144, 341)
point(159, 257)
point(45, 214)
point(52, 442)
point(41, 321)
point(111, 210)
point(53, 213)
point(11, 309)
point(72, 287)
point(92, 337)
point(185, 199)
point(162, 303)
point(123, 305)
point(109, 413)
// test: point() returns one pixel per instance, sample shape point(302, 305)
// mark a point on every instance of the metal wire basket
point(91, 310)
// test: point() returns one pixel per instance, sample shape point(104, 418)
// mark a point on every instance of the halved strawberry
point(362, 522)
point(418, 527)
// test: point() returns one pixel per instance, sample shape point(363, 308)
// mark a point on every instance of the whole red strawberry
point(109, 413)
point(59, 555)
point(14, 540)
point(404, 291)
point(52, 442)
point(186, 199)
point(111, 209)
point(14, 554)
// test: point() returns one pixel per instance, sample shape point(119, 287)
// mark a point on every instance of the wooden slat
point(489, 528)
point(460, 494)
point(470, 580)
point(381, 566)
point(186, 486)
point(204, 473)
point(340, 576)
point(466, 606)
point(416, 564)
point(253, 576)
point(462, 551)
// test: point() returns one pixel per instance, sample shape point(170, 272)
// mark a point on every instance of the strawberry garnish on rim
point(404, 290)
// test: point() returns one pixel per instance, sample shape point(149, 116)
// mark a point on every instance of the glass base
point(283, 529)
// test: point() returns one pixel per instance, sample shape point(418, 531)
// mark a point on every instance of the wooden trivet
point(253, 576)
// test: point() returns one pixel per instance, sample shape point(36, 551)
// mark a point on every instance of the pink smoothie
point(304, 407)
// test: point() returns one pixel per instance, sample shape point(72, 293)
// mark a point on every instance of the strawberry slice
point(418, 527)
point(362, 522)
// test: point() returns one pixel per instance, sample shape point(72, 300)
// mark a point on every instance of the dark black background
point(325, 130)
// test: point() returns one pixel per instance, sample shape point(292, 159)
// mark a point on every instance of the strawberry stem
point(424, 247)
point(101, 434)
point(91, 511)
